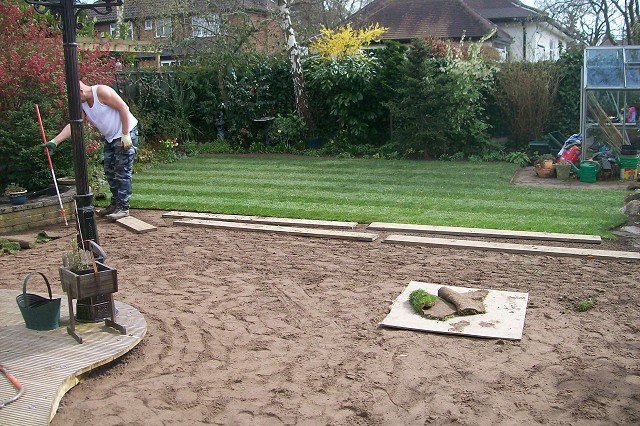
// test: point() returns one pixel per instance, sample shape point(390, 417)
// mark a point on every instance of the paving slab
point(136, 225)
point(289, 230)
point(280, 221)
point(482, 232)
point(511, 248)
point(504, 318)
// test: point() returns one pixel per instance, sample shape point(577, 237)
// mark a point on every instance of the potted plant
point(17, 194)
point(82, 276)
point(544, 165)
point(77, 260)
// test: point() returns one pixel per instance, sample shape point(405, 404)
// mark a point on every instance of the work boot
point(107, 210)
point(118, 214)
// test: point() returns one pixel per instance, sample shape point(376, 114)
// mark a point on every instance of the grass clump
point(42, 237)
point(9, 247)
point(585, 305)
point(421, 300)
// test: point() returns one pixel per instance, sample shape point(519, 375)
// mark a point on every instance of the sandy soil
point(248, 328)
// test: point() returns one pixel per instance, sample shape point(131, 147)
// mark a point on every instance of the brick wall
point(35, 214)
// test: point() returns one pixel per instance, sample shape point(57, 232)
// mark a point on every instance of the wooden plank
point(136, 225)
point(511, 248)
point(308, 223)
point(304, 232)
point(481, 232)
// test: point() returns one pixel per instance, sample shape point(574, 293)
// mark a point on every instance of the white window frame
point(205, 26)
point(169, 62)
point(113, 30)
point(148, 24)
point(163, 28)
point(552, 49)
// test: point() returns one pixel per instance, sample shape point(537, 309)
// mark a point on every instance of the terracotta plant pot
point(545, 169)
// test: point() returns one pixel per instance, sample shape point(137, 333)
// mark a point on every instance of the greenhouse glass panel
point(633, 76)
point(605, 68)
point(632, 55)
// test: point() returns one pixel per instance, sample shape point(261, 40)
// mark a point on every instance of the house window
point(205, 26)
point(553, 53)
point(163, 28)
point(168, 62)
point(504, 53)
point(541, 53)
point(148, 24)
point(115, 32)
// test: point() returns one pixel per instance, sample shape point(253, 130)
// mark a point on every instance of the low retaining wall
point(36, 213)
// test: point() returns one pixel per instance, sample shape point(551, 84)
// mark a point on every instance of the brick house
point(164, 29)
point(521, 32)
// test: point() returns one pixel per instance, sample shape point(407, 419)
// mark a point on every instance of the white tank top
point(105, 118)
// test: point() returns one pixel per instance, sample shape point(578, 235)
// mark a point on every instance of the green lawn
point(365, 190)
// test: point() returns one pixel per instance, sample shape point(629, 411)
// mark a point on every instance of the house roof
point(407, 19)
point(498, 10)
point(513, 10)
point(155, 8)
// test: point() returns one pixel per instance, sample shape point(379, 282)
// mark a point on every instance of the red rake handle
point(44, 137)
point(15, 383)
point(12, 379)
point(53, 173)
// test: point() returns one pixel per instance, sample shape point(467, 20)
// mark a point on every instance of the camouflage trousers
point(118, 169)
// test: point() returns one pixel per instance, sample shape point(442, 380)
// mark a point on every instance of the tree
point(295, 57)
point(32, 72)
point(596, 20)
point(309, 16)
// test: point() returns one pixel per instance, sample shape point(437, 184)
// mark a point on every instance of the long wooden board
point(481, 232)
point(305, 232)
point(511, 248)
point(280, 221)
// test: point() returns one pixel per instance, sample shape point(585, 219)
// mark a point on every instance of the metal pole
point(90, 309)
point(84, 197)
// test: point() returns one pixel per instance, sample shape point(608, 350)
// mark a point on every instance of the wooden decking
point(49, 363)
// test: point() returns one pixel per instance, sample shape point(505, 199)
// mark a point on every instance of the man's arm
point(109, 97)
point(64, 134)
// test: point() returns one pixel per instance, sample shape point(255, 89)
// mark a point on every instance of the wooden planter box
point(83, 284)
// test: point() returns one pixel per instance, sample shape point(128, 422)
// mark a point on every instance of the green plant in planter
point(17, 194)
point(77, 259)
point(12, 190)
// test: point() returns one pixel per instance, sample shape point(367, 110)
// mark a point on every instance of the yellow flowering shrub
point(345, 41)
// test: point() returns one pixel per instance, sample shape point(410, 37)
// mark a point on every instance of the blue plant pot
point(16, 200)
